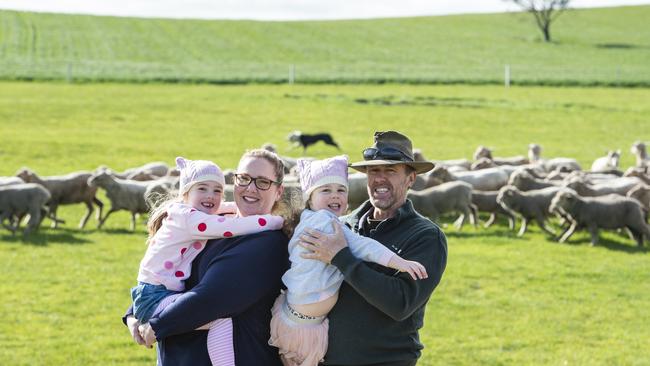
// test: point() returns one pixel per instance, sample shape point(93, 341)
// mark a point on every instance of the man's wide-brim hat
point(391, 148)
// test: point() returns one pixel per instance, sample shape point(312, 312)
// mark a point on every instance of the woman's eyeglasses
point(263, 184)
point(388, 153)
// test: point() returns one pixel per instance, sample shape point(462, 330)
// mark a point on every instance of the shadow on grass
point(618, 46)
point(481, 232)
point(45, 237)
point(610, 245)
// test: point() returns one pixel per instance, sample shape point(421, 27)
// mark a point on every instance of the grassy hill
point(608, 46)
point(503, 300)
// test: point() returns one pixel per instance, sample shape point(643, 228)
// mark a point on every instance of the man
point(379, 312)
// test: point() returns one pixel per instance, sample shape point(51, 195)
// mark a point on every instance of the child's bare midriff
point(317, 308)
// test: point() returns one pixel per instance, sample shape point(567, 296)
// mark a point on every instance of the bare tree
point(544, 11)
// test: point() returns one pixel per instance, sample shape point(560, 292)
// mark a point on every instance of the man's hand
point(132, 323)
point(148, 335)
point(323, 246)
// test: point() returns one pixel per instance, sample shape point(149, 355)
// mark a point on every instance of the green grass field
point(591, 47)
point(503, 300)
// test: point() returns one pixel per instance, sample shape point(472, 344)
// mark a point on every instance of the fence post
point(506, 76)
point(292, 73)
point(68, 76)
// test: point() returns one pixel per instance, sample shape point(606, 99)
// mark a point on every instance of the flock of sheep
point(530, 188)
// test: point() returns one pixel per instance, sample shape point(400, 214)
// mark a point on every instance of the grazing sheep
point(124, 194)
point(567, 164)
point(160, 190)
point(146, 172)
point(487, 202)
point(7, 181)
point(601, 212)
point(607, 162)
point(490, 179)
point(418, 156)
point(288, 162)
point(526, 182)
point(641, 193)
point(618, 186)
point(18, 200)
point(639, 149)
point(641, 173)
point(484, 152)
point(64, 190)
point(454, 165)
point(530, 205)
point(357, 190)
point(447, 197)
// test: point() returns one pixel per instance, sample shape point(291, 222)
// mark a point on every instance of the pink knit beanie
point(195, 171)
point(315, 173)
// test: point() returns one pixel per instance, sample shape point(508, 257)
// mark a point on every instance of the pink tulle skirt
point(301, 342)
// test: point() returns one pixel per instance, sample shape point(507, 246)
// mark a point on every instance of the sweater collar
point(356, 217)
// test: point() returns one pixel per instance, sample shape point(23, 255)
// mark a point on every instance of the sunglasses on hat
point(385, 153)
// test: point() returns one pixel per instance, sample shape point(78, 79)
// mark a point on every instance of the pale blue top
point(310, 280)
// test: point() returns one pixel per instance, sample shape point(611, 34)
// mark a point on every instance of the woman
point(237, 277)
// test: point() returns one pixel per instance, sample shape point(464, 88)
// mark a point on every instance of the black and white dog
point(305, 140)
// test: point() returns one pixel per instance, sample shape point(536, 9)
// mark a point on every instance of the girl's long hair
point(158, 212)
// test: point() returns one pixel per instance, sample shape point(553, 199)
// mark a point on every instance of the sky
point(281, 9)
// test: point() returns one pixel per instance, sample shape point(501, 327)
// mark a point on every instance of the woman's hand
point(147, 334)
point(133, 324)
point(323, 247)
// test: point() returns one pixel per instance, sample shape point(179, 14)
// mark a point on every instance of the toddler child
point(299, 325)
point(178, 231)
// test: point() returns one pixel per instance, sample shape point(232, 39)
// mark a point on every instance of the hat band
point(385, 153)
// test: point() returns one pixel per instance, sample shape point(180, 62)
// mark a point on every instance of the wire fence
point(506, 74)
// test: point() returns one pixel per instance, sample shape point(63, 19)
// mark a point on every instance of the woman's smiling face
point(251, 200)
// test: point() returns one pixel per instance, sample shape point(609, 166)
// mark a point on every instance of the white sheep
point(530, 205)
point(639, 150)
point(607, 162)
point(641, 193)
point(490, 179)
point(526, 182)
point(145, 172)
point(486, 153)
point(124, 194)
point(64, 190)
point(594, 213)
point(18, 200)
point(640, 173)
point(447, 197)
point(487, 202)
point(7, 181)
point(618, 186)
point(549, 165)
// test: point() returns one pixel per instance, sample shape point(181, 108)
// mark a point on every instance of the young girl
point(178, 231)
point(299, 325)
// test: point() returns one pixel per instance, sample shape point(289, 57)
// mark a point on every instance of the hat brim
point(419, 166)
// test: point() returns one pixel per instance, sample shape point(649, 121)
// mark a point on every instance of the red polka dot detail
point(227, 234)
point(183, 250)
point(197, 245)
point(179, 274)
point(261, 221)
point(202, 227)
